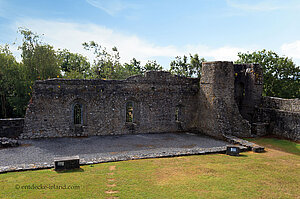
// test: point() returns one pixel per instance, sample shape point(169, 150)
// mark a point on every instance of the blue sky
point(159, 29)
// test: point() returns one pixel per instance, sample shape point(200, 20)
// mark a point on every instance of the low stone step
point(249, 145)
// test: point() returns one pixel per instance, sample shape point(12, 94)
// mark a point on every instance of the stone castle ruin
point(226, 100)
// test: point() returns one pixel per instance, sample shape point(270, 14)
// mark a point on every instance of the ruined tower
point(218, 112)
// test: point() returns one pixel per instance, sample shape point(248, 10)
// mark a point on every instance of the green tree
point(189, 67)
point(74, 65)
point(133, 68)
point(151, 66)
point(14, 92)
point(39, 60)
point(106, 65)
point(281, 75)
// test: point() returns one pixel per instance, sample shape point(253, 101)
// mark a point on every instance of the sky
point(158, 29)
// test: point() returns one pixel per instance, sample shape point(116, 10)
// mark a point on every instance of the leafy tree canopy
point(73, 65)
point(189, 67)
point(281, 75)
point(13, 87)
point(39, 59)
point(106, 65)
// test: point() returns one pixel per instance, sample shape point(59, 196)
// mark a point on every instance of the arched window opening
point(129, 111)
point(77, 114)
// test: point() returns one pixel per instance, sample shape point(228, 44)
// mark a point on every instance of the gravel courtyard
point(110, 148)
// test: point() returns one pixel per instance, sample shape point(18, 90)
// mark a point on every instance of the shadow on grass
point(70, 171)
point(238, 156)
point(278, 144)
point(242, 156)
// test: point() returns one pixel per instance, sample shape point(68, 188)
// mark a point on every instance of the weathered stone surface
point(8, 142)
point(249, 145)
point(232, 150)
point(218, 112)
point(155, 97)
point(226, 101)
point(248, 87)
point(11, 127)
point(289, 105)
point(258, 149)
point(40, 153)
point(281, 116)
point(259, 129)
point(66, 163)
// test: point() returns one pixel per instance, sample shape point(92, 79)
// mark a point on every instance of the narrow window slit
point(129, 112)
point(177, 114)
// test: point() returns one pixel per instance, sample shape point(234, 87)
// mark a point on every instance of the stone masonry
point(218, 112)
point(12, 127)
point(155, 97)
point(279, 117)
point(227, 100)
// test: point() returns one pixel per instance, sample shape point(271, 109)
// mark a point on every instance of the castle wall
point(280, 116)
point(248, 88)
point(157, 97)
point(11, 127)
point(226, 101)
point(218, 112)
point(290, 105)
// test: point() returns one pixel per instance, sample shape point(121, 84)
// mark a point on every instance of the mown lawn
point(274, 174)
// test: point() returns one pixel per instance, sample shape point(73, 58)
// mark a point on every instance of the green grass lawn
point(275, 143)
point(273, 174)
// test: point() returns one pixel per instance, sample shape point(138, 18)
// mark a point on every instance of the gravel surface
point(106, 148)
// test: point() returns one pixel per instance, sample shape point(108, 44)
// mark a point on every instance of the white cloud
point(292, 50)
point(112, 7)
point(72, 35)
point(224, 53)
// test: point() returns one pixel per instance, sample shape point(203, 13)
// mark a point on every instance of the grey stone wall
point(281, 117)
point(226, 101)
point(218, 112)
point(248, 87)
point(155, 98)
point(291, 105)
point(11, 127)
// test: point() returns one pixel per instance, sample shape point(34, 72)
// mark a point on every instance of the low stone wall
point(287, 125)
point(282, 117)
point(135, 155)
point(248, 146)
point(291, 105)
point(11, 127)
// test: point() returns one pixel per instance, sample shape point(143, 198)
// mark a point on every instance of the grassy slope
point(274, 174)
point(282, 145)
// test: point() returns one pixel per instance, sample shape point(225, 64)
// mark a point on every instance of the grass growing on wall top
point(274, 174)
